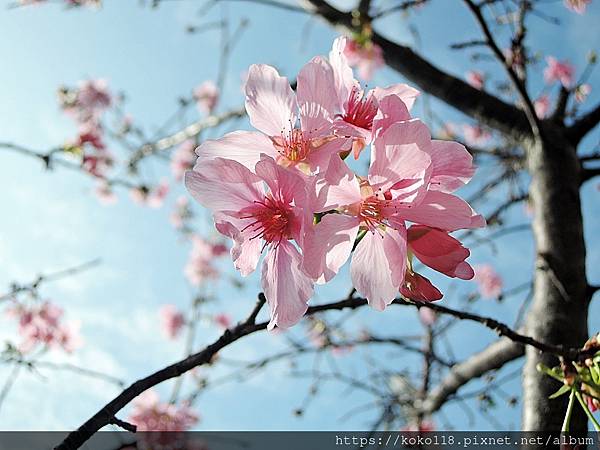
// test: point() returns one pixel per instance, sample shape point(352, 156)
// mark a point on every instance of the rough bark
point(559, 310)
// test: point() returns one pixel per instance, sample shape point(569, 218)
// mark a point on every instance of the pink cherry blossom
point(427, 316)
point(197, 271)
point(150, 414)
point(490, 283)
point(356, 110)
point(152, 197)
point(222, 320)
point(577, 6)
point(106, 196)
point(94, 95)
point(367, 57)
point(183, 159)
point(206, 96)
point(409, 179)
point(97, 163)
point(249, 213)
point(200, 263)
point(476, 79)
point(556, 70)
point(475, 135)
point(581, 92)
point(273, 107)
point(172, 321)
point(181, 213)
point(91, 99)
point(90, 133)
point(542, 105)
point(157, 196)
point(42, 324)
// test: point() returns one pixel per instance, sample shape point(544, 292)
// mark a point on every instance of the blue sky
point(51, 220)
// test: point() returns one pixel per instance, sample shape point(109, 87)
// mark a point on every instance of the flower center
point(272, 220)
point(371, 213)
point(371, 210)
point(360, 110)
point(294, 145)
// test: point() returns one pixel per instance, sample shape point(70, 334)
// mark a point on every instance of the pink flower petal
point(245, 252)
point(316, 97)
point(404, 92)
point(440, 251)
point(378, 265)
point(328, 246)
point(391, 110)
point(223, 185)
point(401, 154)
point(343, 76)
point(445, 211)
point(452, 166)
point(337, 187)
point(270, 101)
point(244, 147)
point(417, 287)
point(287, 288)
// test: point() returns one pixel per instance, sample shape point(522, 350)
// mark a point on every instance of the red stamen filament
point(294, 145)
point(360, 110)
point(272, 220)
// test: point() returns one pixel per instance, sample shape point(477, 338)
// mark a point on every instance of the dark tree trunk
point(560, 306)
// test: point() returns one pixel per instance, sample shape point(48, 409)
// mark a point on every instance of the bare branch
point(512, 75)
point(125, 425)
point(52, 276)
point(492, 358)
point(584, 125)
point(103, 417)
point(189, 132)
point(588, 174)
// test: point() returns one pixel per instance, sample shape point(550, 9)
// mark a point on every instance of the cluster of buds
point(589, 372)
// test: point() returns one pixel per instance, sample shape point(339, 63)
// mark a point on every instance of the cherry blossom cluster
point(490, 283)
point(85, 105)
point(200, 266)
point(578, 6)
point(153, 197)
point(206, 95)
point(42, 325)
point(173, 321)
point(150, 414)
point(287, 191)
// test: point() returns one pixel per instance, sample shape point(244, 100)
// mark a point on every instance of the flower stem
point(587, 411)
point(567, 421)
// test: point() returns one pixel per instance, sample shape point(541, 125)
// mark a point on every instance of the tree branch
point(188, 132)
point(512, 75)
point(106, 415)
point(103, 417)
point(125, 425)
point(584, 125)
point(493, 357)
point(478, 104)
point(588, 174)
